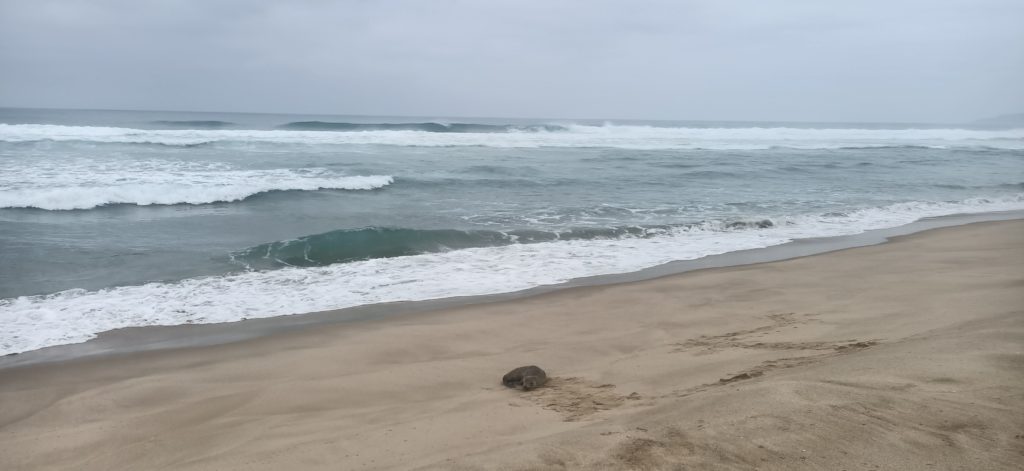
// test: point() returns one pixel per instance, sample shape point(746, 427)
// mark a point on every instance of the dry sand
point(907, 355)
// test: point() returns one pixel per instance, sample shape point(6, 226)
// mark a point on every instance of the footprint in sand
point(706, 344)
point(577, 399)
point(712, 343)
point(834, 349)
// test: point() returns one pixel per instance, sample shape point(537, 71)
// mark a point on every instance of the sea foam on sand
point(32, 322)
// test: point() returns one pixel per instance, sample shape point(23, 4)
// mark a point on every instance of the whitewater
point(33, 322)
point(608, 135)
point(90, 183)
point(122, 219)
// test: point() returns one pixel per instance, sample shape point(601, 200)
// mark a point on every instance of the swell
point(1001, 186)
point(424, 127)
point(193, 124)
point(881, 147)
point(348, 245)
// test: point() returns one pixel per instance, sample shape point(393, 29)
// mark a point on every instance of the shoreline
point(155, 338)
point(905, 354)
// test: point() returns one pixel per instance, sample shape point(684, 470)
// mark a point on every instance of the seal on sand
point(527, 377)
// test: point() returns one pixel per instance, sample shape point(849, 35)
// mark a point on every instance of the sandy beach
point(906, 355)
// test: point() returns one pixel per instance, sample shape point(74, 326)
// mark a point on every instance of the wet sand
point(906, 355)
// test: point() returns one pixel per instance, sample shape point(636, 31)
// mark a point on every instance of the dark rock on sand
point(526, 377)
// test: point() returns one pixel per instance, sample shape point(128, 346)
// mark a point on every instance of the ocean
point(112, 219)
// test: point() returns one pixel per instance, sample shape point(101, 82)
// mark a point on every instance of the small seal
point(527, 377)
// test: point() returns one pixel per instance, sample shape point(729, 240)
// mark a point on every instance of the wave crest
point(580, 136)
point(163, 183)
point(424, 127)
point(32, 322)
point(349, 245)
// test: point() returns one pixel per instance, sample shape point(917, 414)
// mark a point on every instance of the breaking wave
point(510, 136)
point(68, 185)
point(72, 316)
point(349, 245)
point(425, 127)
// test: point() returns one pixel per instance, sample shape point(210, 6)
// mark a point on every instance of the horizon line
point(359, 115)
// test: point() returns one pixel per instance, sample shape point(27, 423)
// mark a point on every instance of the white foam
point(627, 137)
point(86, 183)
point(32, 322)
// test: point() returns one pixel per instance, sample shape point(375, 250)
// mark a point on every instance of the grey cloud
point(782, 60)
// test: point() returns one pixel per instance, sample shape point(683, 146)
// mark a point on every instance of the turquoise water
point(110, 219)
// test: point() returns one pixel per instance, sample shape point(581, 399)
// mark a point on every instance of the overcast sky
point(814, 60)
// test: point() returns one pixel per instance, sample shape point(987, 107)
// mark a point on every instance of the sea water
point(113, 219)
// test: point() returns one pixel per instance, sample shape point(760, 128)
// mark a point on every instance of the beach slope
point(905, 355)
